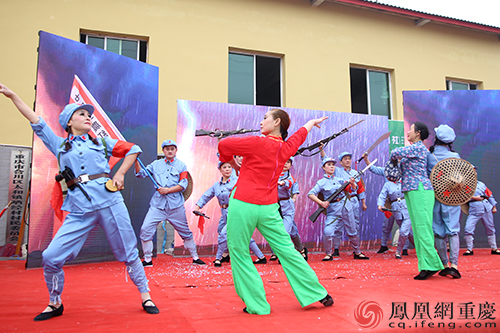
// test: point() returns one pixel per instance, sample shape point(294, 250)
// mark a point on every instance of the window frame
point(367, 78)
point(449, 83)
point(254, 55)
point(106, 36)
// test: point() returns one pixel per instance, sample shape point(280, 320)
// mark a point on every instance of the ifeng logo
point(368, 314)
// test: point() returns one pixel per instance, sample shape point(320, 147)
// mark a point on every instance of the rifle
point(197, 213)
point(222, 134)
point(335, 194)
point(324, 141)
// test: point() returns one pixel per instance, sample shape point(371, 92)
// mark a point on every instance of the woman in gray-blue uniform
point(288, 189)
point(392, 191)
point(167, 202)
point(222, 189)
point(388, 221)
point(446, 219)
point(482, 206)
point(339, 214)
point(89, 203)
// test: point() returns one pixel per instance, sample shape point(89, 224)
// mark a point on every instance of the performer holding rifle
point(86, 157)
point(419, 195)
point(222, 189)
point(339, 211)
point(356, 195)
point(253, 204)
point(167, 202)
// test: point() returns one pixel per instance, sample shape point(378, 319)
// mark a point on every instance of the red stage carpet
point(202, 298)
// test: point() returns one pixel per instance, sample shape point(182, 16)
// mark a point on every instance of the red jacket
point(263, 161)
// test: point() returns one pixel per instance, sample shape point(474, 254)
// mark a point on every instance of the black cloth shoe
point(328, 257)
point(56, 312)
point(424, 275)
point(404, 252)
point(147, 263)
point(336, 253)
point(273, 257)
point(327, 301)
point(455, 273)
point(198, 262)
point(304, 253)
point(469, 253)
point(360, 256)
point(495, 251)
point(217, 263)
point(151, 309)
point(383, 249)
point(398, 256)
point(262, 260)
point(224, 259)
point(445, 271)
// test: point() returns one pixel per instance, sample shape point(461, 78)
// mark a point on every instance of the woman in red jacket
point(254, 204)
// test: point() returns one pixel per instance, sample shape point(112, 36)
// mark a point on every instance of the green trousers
point(242, 219)
point(420, 205)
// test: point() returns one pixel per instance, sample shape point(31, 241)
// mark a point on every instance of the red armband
point(183, 175)
point(121, 148)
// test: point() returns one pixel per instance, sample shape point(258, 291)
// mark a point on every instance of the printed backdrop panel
point(127, 91)
point(199, 153)
point(474, 115)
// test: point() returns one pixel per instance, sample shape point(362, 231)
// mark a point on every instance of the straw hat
point(189, 188)
point(454, 181)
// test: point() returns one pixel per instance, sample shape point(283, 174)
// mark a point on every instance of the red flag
point(201, 222)
point(387, 214)
point(56, 200)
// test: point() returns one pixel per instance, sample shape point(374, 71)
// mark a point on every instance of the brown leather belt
point(398, 199)
point(284, 199)
point(85, 178)
point(224, 206)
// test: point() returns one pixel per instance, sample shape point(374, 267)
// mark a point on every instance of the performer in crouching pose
point(253, 204)
point(88, 201)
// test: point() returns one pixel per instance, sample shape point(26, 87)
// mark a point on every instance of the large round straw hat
point(454, 181)
point(189, 188)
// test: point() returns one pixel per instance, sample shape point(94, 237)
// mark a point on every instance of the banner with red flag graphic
point(102, 126)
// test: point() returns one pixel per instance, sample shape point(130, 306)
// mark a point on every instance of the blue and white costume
point(222, 191)
point(105, 208)
point(167, 173)
point(481, 210)
point(339, 214)
point(392, 191)
point(446, 219)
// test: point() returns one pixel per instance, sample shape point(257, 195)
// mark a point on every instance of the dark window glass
point(268, 79)
point(359, 96)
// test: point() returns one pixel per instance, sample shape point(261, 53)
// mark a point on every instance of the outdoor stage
point(98, 298)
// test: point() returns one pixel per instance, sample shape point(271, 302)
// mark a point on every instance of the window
point(128, 47)
point(254, 79)
point(457, 85)
point(370, 92)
